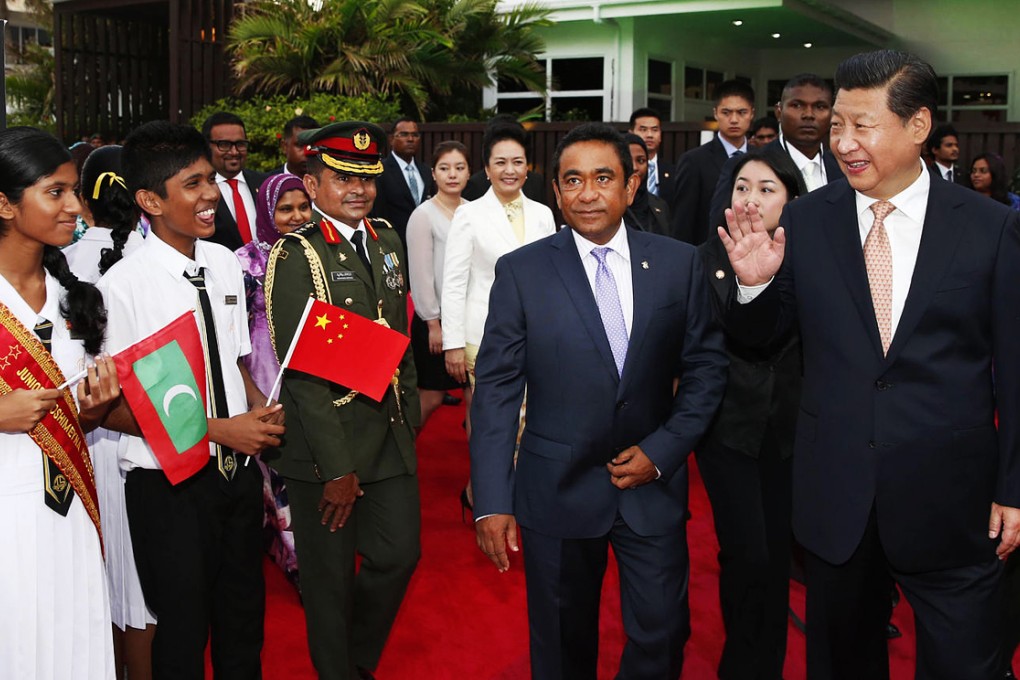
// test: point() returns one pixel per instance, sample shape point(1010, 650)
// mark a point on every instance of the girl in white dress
point(114, 213)
point(53, 589)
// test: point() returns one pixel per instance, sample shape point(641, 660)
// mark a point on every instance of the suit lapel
point(501, 222)
point(939, 238)
point(567, 263)
point(832, 169)
point(845, 236)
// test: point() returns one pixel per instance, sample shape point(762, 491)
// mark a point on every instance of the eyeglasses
point(407, 135)
point(224, 144)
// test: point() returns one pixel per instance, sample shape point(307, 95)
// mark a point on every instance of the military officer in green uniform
point(348, 460)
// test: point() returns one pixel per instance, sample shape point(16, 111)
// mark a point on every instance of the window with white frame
point(576, 91)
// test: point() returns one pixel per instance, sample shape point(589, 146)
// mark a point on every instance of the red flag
point(347, 349)
point(163, 379)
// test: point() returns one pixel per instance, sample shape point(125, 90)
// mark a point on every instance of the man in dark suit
point(235, 213)
point(647, 211)
point(804, 112)
point(405, 182)
point(598, 321)
point(646, 124)
point(293, 150)
point(906, 290)
point(944, 147)
point(698, 170)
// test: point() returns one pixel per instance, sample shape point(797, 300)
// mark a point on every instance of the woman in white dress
point(427, 229)
point(482, 231)
point(53, 588)
point(114, 236)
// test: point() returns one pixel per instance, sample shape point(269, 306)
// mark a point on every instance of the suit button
point(872, 445)
point(620, 405)
point(882, 386)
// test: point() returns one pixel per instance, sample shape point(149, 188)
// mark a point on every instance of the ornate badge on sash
point(27, 365)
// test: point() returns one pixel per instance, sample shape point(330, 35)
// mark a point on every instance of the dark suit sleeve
point(499, 392)
point(684, 203)
point(1006, 360)
point(702, 370)
point(721, 196)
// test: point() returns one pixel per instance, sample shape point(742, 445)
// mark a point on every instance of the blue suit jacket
point(910, 434)
point(544, 330)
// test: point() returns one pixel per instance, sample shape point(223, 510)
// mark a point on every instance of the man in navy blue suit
point(611, 330)
point(906, 290)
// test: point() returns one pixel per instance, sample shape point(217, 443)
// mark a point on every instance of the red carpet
point(462, 619)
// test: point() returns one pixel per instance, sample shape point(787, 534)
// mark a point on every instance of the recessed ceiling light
point(738, 22)
point(808, 45)
point(775, 35)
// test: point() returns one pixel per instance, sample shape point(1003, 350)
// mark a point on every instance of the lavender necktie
point(607, 296)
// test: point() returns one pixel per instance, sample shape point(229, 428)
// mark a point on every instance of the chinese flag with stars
point(347, 349)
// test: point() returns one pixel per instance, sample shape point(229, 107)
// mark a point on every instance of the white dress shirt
point(347, 231)
point(802, 162)
point(412, 169)
point(246, 197)
point(904, 226)
point(148, 290)
point(944, 171)
point(730, 149)
point(427, 231)
point(618, 262)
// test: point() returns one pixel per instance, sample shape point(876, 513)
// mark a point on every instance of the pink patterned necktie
point(878, 261)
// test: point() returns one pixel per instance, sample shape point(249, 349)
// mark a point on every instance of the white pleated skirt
point(127, 604)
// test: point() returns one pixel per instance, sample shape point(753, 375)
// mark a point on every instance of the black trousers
point(564, 585)
point(957, 612)
point(752, 504)
point(198, 547)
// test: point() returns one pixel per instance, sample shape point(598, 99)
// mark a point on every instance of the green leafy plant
point(435, 56)
point(30, 90)
point(264, 117)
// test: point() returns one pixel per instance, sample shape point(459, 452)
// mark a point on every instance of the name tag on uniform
point(230, 299)
point(341, 276)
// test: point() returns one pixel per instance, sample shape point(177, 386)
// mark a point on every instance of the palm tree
point(429, 52)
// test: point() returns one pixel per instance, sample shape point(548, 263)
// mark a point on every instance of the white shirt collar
point(943, 169)
point(346, 230)
point(619, 243)
point(404, 164)
point(912, 201)
point(220, 179)
point(730, 148)
point(799, 159)
point(172, 259)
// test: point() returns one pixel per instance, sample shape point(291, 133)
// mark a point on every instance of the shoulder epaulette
point(303, 230)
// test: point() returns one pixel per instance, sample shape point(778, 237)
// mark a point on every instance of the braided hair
point(28, 155)
point(105, 193)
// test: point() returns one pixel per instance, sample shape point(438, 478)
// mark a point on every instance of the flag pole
point(290, 350)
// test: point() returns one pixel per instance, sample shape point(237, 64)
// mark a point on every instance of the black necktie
point(949, 175)
point(359, 247)
point(57, 491)
point(226, 459)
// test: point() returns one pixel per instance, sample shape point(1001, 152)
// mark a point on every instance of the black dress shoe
point(892, 632)
point(450, 400)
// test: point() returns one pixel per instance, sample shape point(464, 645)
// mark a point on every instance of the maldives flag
point(163, 379)
point(345, 348)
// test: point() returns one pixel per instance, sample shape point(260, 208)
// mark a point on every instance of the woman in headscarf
point(282, 205)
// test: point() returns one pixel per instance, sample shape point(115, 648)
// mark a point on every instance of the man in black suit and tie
point(235, 213)
point(698, 170)
point(944, 147)
point(906, 292)
point(293, 150)
point(597, 320)
point(646, 124)
point(804, 112)
point(405, 182)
